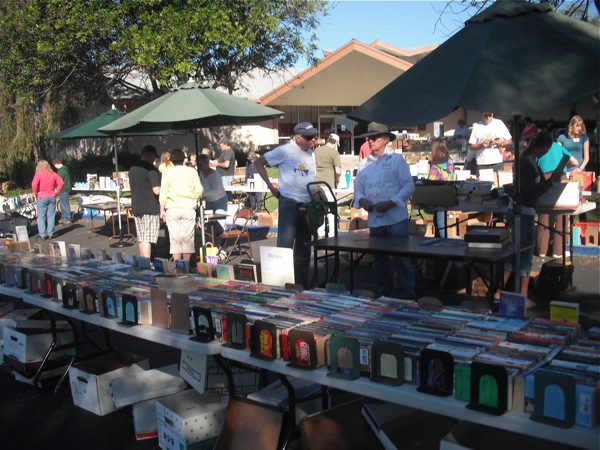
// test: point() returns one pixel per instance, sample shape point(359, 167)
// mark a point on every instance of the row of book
point(440, 349)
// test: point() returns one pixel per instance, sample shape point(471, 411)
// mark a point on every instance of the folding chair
point(237, 231)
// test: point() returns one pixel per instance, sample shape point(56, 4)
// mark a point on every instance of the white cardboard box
point(90, 379)
point(140, 386)
point(470, 436)
point(144, 419)
point(30, 344)
point(560, 195)
point(9, 318)
point(188, 419)
point(275, 394)
point(206, 377)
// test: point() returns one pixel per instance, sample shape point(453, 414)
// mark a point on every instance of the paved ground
point(34, 419)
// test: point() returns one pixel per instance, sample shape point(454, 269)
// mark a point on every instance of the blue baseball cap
point(306, 130)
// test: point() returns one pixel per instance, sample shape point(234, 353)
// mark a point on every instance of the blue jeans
point(65, 207)
point(219, 205)
point(402, 265)
point(293, 232)
point(46, 211)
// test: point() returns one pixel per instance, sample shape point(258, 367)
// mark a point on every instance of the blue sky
point(404, 24)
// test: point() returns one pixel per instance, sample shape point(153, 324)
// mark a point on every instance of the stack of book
point(487, 237)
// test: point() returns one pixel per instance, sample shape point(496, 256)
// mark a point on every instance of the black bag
point(554, 278)
point(471, 166)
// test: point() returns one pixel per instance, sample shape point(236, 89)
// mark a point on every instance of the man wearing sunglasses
point(296, 169)
point(487, 143)
point(382, 187)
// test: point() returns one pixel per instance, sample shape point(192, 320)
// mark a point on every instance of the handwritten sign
point(277, 265)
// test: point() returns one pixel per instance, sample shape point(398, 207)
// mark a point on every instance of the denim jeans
point(46, 212)
point(402, 265)
point(292, 232)
point(65, 207)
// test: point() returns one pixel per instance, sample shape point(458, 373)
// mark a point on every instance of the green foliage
point(58, 56)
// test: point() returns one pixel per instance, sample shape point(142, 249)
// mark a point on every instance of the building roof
point(347, 76)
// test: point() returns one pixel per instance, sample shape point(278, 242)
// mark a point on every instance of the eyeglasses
point(312, 138)
point(374, 137)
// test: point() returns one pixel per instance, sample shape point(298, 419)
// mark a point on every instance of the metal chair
point(237, 231)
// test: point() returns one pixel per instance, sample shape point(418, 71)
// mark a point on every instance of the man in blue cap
point(296, 169)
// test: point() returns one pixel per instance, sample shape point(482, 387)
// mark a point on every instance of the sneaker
point(46, 238)
point(39, 237)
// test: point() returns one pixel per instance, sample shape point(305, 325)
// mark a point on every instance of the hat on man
point(334, 137)
point(377, 128)
point(223, 140)
point(306, 130)
point(177, 155)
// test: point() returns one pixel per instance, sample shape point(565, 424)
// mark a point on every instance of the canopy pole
point(201, 206)
point(121, 242)
point(517, 206)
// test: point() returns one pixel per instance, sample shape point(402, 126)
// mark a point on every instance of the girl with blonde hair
point(576, 142)
point(165, 162)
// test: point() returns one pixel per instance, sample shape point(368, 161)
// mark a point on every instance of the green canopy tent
point(89, 130)
point(513, 58)
point(189, 107)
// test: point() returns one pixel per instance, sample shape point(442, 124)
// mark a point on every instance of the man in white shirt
point(488, 141)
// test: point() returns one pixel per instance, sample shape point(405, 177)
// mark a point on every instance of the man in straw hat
point(383, 187)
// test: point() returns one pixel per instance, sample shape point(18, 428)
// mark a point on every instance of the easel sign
point(277, 265)
point(22, 233)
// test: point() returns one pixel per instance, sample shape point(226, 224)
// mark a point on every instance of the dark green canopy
point(192, 106)
point(514, 58)
point(89, 128)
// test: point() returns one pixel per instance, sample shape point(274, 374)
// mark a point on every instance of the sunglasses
point(312, 138)
point(374, 137)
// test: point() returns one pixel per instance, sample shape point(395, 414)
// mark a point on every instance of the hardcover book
point(204, 270)
point(225, 272)
point(564, 311)
point(247, 272)
point(513, 304)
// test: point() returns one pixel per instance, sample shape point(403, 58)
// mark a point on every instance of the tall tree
point(56, 56)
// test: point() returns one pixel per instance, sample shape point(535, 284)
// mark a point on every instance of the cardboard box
point(144, 419)
point(275, 394)
point(90, 379)
point(358, 212)
point(585, 179)
point(251, 425)
point(9, 318)
point(421, 227)
point(342, 426)
point(205, 375)
point(434, 195)
point(188, 420)
point(30, 345)
point(268, 219)
point(140, 386)
point(560, 195)
point(469, 436)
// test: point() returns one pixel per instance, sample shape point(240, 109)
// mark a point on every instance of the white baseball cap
point(335, 137)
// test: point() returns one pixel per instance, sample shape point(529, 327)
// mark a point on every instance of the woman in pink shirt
point(46, 184)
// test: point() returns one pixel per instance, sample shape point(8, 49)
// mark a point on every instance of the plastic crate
point(585, 224)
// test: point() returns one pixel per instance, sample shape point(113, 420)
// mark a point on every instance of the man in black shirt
point(225, 164)
point(144, 179)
